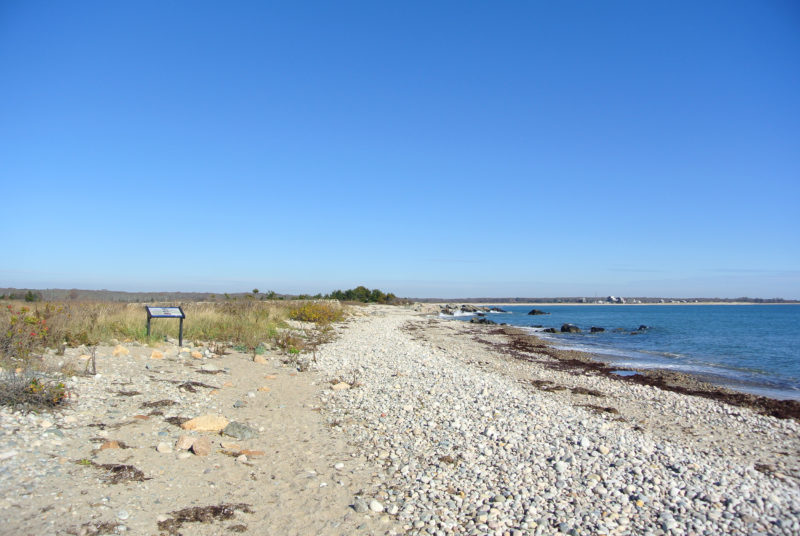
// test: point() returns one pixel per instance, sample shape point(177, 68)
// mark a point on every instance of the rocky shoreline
point(474, 440)
point(404, 424)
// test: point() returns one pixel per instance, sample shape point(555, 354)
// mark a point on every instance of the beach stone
point(260, 359)
point(120, 350)
point(270, 376)
point(157, 355)
point(110, 445)
point(341, 386)
point(264, 389)
point(206, 423)
point(197, 355)
point(360, 506)
point(239, 431)
point(208, 367)
point(375, 506)
point(603, 449)
point(201, 446)
point(164, 448)
point(184, 442)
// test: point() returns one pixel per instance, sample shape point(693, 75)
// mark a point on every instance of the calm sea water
point(753, 348)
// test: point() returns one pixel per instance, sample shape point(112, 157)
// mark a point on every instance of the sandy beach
point(405, 423)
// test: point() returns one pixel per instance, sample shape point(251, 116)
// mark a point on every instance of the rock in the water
point(570, 328)
point(537, 312)
point(595, 329)
point(550, 330)
point(206, 423)
point(239, 431)
point(481, 320)
point(201, 446)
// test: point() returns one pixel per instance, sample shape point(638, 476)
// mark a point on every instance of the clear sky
point(431, 149)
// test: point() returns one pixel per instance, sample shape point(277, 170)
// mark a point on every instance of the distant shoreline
point(548, 304)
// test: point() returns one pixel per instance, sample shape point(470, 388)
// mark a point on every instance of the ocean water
point(752, 348)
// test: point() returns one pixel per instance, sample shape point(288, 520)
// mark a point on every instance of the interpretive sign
point(166, 312)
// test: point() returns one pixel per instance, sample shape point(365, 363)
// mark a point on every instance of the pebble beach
point(404, 424)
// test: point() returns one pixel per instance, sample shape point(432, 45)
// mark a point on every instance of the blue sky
point(445, 149)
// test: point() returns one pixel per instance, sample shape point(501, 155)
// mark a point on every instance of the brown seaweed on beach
point(585, 391)
point(177, 420)
point(158, 404)
point(600, 409)
point(191, 386)
point(201, 514)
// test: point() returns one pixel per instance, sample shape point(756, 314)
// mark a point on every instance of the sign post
point(166, 312)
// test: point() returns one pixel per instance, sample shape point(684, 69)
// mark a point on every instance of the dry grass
point(90, 323)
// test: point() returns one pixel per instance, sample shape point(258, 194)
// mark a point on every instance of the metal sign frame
point(166, 312)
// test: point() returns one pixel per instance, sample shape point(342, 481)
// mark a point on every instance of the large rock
point(595, 329)
point(206, 423)
point(549, 330)
point(120, 350)
point(537, 312)
point(570, 328)
point(481, 320)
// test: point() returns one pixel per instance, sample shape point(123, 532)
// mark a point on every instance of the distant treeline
point(362, 294)
point(359, 294)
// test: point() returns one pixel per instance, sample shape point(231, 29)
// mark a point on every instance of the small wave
point(457, 314)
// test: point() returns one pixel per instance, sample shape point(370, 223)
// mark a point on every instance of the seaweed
point(116, 473)
point(191, 386)
point(158, 404)
point(177, 420)
point(202, 514)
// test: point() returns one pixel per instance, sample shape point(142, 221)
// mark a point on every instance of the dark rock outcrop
point(595, 329)
point(550, 330)
point(570, 328)
point(537, 312)
point(481, 320)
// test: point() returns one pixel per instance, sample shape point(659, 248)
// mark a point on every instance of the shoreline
point(727, 387)
point(685, 383)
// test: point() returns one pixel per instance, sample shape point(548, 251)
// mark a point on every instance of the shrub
point(317, 312)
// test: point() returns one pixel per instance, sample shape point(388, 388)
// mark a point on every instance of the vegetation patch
point(317, 312)
point(201, 514)
point(22, 389)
